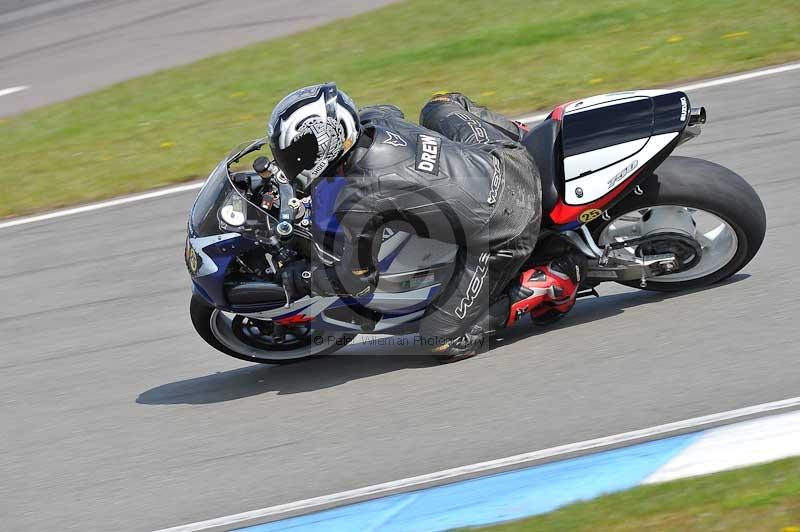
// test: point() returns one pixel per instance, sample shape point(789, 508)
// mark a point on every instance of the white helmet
point(311, 129)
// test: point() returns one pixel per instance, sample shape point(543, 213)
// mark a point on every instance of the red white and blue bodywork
point(601, 145)
point(590, 154)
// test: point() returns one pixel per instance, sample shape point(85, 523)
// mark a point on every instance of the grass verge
point(512, 55)
point(764, 497)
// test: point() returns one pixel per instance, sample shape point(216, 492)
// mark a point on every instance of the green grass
point(512, 55)
point(765, 497)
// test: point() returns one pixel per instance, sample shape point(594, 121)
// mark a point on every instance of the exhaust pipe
point(697, 116)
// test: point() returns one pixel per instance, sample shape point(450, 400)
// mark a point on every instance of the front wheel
point(248, 339)
point(709, 217)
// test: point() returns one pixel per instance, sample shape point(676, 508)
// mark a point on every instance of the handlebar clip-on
point(270, 171)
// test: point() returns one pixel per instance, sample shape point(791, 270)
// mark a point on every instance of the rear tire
point(703, 185)
point(203, 316)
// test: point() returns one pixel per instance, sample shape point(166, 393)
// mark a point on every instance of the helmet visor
point(299, 156)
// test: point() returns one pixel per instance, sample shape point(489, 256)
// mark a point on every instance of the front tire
point(704, 186)
point(219, 331)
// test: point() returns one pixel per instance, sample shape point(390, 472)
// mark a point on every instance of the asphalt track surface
point(116, 416)
point(63, 48)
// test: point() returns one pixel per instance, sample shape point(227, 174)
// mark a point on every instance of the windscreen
point(222, 206)
point(204, 219)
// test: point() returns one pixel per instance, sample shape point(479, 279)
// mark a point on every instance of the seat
point(542, 143)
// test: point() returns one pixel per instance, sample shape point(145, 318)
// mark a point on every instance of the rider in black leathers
point(460, 177)
point(479, 189)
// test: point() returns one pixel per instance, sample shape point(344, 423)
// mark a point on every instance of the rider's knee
point(441, 105)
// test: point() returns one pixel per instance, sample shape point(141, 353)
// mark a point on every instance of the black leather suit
point(460, 177)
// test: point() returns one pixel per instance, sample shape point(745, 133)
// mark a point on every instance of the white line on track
point(102, 205)
point(408, 484)
point(706, 84)
point(532, 118)
point(12, 90)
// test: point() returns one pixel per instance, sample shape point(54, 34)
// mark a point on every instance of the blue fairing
point(210, 286)
point(323, 199)
point(199, 290)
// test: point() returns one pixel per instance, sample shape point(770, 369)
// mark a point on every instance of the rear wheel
point(706, 215)
point(249, 339)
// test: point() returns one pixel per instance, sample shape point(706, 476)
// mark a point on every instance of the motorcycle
point(611, 189)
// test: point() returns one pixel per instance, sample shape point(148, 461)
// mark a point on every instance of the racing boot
point(465, 346)
point(547, 292)
point(478, 337)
